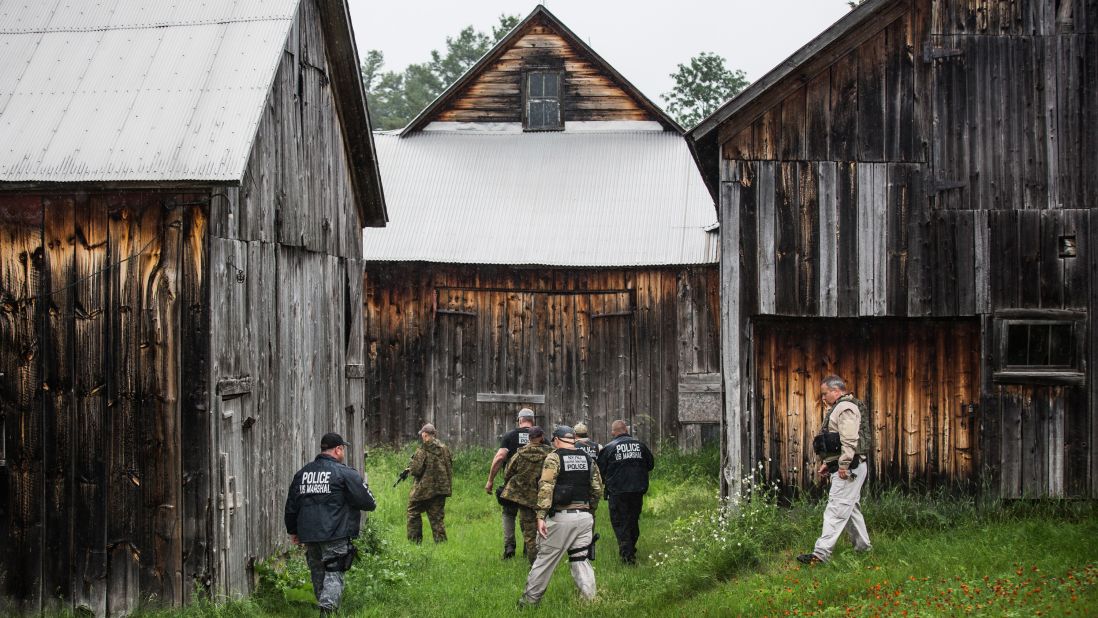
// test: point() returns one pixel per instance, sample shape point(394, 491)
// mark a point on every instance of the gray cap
point(428, 428)
point(526, 413)
point(564, 432)
point(581, 430)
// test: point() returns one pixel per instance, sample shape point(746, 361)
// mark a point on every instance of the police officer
point(568, 495)
point(322, 512)
point(588, 445)
point(511, 442)
point(432, 467)
point(625, 463)
point(846, 466)
point(520, 486)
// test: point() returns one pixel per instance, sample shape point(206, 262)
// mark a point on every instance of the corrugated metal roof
point(560, 199)
point(133, 90)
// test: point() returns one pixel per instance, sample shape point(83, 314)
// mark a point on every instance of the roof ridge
point(143, 26)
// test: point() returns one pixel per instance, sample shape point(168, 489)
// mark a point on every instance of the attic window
point(542, 105)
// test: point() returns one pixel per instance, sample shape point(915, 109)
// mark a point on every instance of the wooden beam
point(732, 353)
point(510, 398)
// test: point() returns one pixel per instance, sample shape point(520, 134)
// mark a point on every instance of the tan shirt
point(845, 419)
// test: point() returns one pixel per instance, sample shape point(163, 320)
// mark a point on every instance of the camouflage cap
point(564, 432)
point(581, 430)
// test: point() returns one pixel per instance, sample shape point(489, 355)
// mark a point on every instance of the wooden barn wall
point(927, 164)
point(285, 360)
point(297, 188)
point(920, 380)
point(595, 343)
point(589, 93)
point(101, 300)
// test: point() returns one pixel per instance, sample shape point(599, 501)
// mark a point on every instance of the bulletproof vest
point(589, 446)
point(865, 427)
point(574, 477)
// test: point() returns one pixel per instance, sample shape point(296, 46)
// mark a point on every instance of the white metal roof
point(134, 90)
point(591, 198)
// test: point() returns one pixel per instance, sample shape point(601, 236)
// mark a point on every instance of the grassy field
point(933, 556)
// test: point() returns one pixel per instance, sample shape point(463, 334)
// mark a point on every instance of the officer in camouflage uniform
point(322, 513)
point(520, 485)
point(433, 469)
point(847, 469)
point(568, 494)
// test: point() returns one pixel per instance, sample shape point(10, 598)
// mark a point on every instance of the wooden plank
point(982, 262)
point(829, 240)
point(792, 144)
point(871, 99)
point(197, 537)
point(731, 342)
point(898, 211)
point(817, 131)
point(744, 174)
point(767, 134)
point(847, 203)
point(58, 360)
point(535, 398)
point(787, 233)
point(767, 238)
point(963, 223)
point(844, 144)
point(90, 302)
point(22, 281)
point(808, 239)
point(127, 237)
point(872, 240)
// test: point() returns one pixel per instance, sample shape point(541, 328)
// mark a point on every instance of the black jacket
point(624, 463)
point(324, 501)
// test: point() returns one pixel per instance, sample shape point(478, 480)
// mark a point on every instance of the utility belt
point(553, 512)
point(833, 465)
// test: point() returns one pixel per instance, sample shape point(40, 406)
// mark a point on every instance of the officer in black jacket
point(322, 512)
point(625, 463)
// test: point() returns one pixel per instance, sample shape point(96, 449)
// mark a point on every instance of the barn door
point(453, 374)
point(609, 387)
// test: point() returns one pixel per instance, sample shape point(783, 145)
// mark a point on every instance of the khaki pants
point(566, 531)
point(843, 513)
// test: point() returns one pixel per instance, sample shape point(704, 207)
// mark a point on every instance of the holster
point(343, 563)
point(580, 554)
point(833, 465)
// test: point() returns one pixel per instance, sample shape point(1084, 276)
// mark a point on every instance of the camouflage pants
point(528, 520)
point(436, 514)
point(327, 585)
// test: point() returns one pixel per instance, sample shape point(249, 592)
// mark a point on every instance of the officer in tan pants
point(843, 444)
point(568, 495)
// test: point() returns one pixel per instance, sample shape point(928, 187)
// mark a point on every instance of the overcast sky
point(643, 40)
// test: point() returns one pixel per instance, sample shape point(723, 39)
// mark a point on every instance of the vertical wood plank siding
point(93, 300)
point(171, 357)
point(598, 344)
point(940, 151)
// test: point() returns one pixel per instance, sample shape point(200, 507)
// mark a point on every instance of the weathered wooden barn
point(182, 190)
point(907, 201)
point(552, 246)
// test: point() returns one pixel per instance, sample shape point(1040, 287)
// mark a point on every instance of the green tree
point(701, 87)
point(395, 97)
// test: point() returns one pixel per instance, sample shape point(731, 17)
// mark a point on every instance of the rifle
point(403, 475)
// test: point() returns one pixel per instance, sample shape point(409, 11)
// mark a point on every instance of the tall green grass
point(700, 556)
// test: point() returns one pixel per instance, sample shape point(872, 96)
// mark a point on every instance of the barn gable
point(495, 88)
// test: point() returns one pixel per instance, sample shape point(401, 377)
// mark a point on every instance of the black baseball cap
point(536, 432)
point(332, 440)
